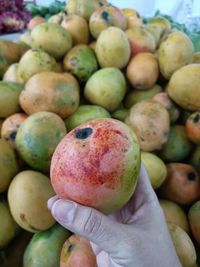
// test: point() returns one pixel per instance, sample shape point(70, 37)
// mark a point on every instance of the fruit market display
point(86, 95)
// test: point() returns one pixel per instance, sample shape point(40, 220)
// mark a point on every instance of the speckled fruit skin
point(97, 165)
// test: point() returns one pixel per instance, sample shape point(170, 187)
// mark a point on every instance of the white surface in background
point(175, 8)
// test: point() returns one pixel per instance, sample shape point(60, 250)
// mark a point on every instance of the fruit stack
point(95, 61)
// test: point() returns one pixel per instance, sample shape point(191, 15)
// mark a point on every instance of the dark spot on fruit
point(105, 16)
point(74, 61)
point(137, 15)
point(70, 248)
point(13, 135)
point(191, 176)
point(22, 216)
point(196, 118)
point(83, 133)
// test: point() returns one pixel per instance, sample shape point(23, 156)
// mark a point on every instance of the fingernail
point(64, 211)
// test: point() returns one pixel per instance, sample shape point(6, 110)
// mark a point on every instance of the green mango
point(195, 158)
point(38, 137)
point(178, 146)
point(45, 247)
point(85, 113)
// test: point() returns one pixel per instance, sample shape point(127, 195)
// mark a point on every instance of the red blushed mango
point(140, 40)
point(35, 21)
point(193, 127)
point(10, 127)
point(97, 164)
point(194, 220)
point(77, 252)
point(182, 184)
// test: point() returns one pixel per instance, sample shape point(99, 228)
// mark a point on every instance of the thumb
point(89, 223)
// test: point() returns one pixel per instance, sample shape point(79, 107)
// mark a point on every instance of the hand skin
point(137, 235)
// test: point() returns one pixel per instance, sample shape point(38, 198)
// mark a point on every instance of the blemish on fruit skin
point(70, 248)
point(191, 176)
point(83, 133)
point(99, 167)
point(105, 16)
point(13, 136)
point(196, 118)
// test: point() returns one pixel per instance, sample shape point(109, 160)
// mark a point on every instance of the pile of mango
point(96, 61)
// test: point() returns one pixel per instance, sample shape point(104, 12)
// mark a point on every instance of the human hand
point(136, 235)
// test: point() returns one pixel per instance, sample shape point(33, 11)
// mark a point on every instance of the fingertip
point(63, 211)
point(51, 201)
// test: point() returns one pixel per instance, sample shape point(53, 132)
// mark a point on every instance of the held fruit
point(97, 164)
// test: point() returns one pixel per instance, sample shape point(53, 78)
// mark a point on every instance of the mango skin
point(52, 38)
point(85, 113)
point(40, 61)
point(9, 53)
point(83, 8)
point(107, 16)
point(184, 87)
point(10, 127)
point(27, 198)
point(183, 244)
point(106, 88)
point(11, 73)
point(8, 165)
point(194, 220)
point(182, 184)
point(142, 71)
point(174, 52)
point(195, 158)
point(7, 225)
point(77, 251)
point(174, 214)
point(113, 48)
point(193, 127)
point(50, 91)
point(155, 167)
point(81, 62)
point(178, 146)
point(78, 27)
point(45, 247)
point(140, 40)
point(106, 154)
point(150, 121)
point(9, 101)
point(38, 137)
point(135, 96)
